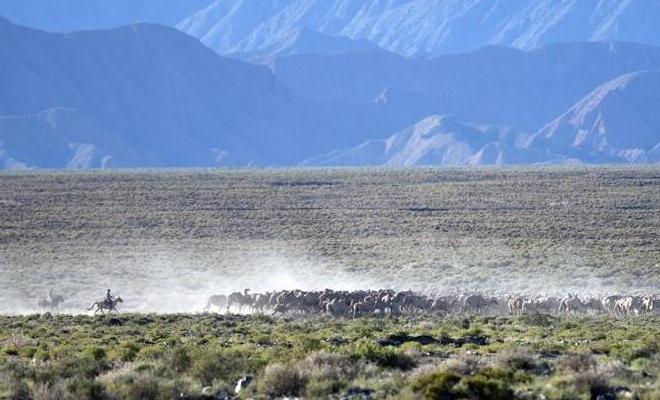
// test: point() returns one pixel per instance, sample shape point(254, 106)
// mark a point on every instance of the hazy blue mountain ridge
point(495, 84)
point(425, 27)
point(167, 98)
point(147, 95)
point(72, 15)
point(618, 122)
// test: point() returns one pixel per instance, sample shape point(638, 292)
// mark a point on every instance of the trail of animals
point(370, 303)
point(374, 303)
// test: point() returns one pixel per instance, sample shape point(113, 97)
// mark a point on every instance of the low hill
point(440, 140)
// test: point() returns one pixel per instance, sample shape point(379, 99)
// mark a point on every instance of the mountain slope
point(426, 27)
point(496, 84)
point(166, 99)
point(70, 15)
point(440, 140)
point(159, 90)
point(305, 41)
point(61, 137)
point(617, 122)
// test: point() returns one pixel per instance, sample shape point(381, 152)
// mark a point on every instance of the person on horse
point(109, 298)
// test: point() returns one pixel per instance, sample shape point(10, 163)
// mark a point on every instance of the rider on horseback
point(109, 298)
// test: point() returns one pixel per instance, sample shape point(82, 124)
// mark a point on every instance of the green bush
point(180, 360)
point(96, 353)
point(447, 385)
point(221, 365)
point(85, 389)
point(518, 360)
point(135, 387)
point(481, 387)
point(384, 356)
point(438, 385)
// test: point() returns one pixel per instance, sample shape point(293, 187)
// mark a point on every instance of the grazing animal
point(516, 305)
point(610, 301)
point(478, 303)
point(593, 305)
point(628, 305)
point(106, 305)
point(442, 305)
point(240, 300)
point(570, 304)
point(51, 301)
point(337, 308)
point(649, 304)
point(218, 300)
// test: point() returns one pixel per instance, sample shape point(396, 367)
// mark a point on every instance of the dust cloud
point(165, 280)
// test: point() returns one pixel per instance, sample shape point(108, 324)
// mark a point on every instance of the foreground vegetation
point(204, 355)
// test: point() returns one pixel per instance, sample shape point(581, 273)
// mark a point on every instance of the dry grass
point(593, 229)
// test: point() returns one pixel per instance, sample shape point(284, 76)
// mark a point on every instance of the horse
point(218, 300)
point(51, 303)
point(103, 305)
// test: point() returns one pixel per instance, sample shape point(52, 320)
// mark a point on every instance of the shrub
point(134, 386)
point(438, 385)
point(576, 362)
point(322, 365)
point(384, 356)
point(328, 373)
point(180, 360)
point(515, 360)
point(96, 353)
point(46, 391)
point(481, 387)
point(282, 380)
point(222, 365)
point(464, 364)
point(591, 382)
point(84, 389)
point(447, 385)
point(207, 368)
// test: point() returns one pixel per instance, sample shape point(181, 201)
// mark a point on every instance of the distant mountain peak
point(303, 40)
point(618, 120)
point(426, 27)
point(439, 140)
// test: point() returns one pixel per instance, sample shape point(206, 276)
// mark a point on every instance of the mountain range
point(496, 84)
point(253, 28)
point(618, 122)
point(149, 95)
point(425, 27)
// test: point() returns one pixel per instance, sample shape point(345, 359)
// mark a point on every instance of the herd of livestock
point(359, 303)
point(364, 303)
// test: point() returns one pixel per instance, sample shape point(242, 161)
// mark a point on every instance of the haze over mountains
point(313, 82)
point(71, 15)
point(426, 27)
point(167, 97)
point(616, 123)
